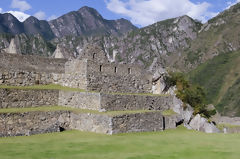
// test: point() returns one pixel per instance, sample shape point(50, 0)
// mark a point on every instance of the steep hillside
point(220, 77)
point(220, 35)
point(26, 44)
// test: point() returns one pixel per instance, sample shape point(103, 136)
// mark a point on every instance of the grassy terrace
point(44, 87)
point(59, 87)
point(169, 144)
point(61, 108)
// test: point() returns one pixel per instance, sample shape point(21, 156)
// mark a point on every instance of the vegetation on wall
point(191, 94)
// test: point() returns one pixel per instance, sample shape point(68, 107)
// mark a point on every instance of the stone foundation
point(30, 123)
point(140, 122)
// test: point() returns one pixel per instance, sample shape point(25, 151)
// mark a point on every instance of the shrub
point(193, 95)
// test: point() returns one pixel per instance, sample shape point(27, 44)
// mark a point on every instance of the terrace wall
point(16, 98)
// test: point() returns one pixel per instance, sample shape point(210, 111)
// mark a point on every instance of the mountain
point(150, 46)
point(10, 24)
point(220, 77)
point(219, 35)
point(33, 26)
point(217, 50)
point(84, 22)
point(87, 21)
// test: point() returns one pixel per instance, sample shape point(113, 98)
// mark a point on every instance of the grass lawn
point(170, 144)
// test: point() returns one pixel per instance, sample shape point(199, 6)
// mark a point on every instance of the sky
point(140, 12)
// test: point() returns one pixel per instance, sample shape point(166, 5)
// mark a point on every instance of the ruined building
point(87, 94)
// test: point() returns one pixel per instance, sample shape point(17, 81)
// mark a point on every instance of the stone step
point(34, 96)
point(30, 121)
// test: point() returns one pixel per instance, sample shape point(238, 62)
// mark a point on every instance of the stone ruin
point(109, 98)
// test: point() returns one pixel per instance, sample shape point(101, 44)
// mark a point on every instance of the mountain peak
point(31, 19)
point(87, 11)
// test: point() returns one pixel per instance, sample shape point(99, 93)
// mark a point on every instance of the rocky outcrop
point(201, 124)
point(62, 53)
point(13, 48)
point(27, 44)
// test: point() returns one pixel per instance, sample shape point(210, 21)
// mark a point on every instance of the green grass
point(44, 87)
point(76, 110)
point(168, 112)
point(59, 87)
point(170, 144)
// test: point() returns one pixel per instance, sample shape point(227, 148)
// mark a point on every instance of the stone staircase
point(45, 109)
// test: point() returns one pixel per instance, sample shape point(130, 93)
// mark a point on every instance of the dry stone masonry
point(106, 86)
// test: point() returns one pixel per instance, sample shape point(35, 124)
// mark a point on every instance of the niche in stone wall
point(115, 69)
point(129, 71)
point(100, 68)
point(94, 56)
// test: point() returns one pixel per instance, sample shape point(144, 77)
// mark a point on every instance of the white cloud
point(1, 10)
point(19, 15)
point(21, 5)
point(145, 12)
point(40, 15)
point(230, 4)
point(52, 17)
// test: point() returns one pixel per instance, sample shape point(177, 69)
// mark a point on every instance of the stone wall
point(16, 62)
point(73, 80)
point(114, 102)
point(230, 124)
point(97, 123)
point(25, 78)
point(117, 78)
point(125, 84)
point(30, 123)
point(141, 122)
point(82, 100)
point(16, 98)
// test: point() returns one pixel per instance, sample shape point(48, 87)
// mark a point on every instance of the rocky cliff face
point(26, 44)
point(150, 46)
point(219, 35)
